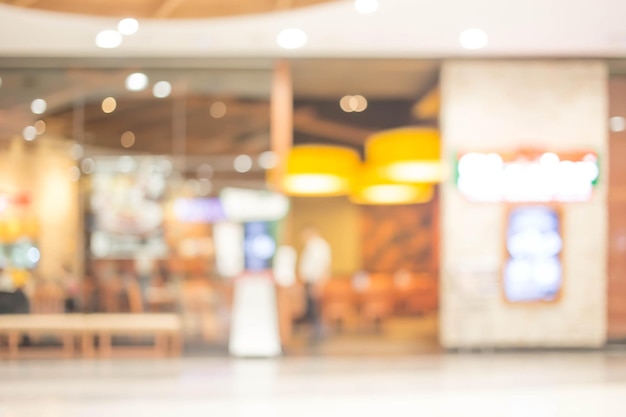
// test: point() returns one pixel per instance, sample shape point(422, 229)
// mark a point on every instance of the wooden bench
point(165, 328)
point(87, 329)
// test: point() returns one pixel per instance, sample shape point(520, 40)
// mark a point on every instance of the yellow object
point(406, 155)
point(372, 188)
point(319, 170)
point(20, 277)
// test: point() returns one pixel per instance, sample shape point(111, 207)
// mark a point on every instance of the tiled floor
point(502, 385)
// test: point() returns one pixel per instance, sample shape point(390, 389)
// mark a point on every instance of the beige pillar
point(505, 105)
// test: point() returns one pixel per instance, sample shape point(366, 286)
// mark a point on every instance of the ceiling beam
point(283, 4)
point(166, 8)
point(24, 3)
point(306, 121)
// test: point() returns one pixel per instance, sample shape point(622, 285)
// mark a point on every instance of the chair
point(48, 298)
point(377, 301)
point(417, 294)
point(338, 302)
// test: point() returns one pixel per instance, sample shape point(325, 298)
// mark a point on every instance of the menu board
point(533, 271)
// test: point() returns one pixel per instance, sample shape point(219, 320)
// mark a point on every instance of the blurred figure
point(12, 300)
point(72, 289)
point(144, 267)
point(314, 270)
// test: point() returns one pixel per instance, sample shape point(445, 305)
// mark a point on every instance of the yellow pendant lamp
point(406, 155)
point(371, 188)
point(319, 170)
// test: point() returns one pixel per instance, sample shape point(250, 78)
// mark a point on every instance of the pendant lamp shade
point(319, 170)
point(371, 188)
point(406, 155)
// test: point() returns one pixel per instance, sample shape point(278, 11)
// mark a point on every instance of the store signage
point(527, 176)
point(241, 205)
point(533, 270)
point(199, 210)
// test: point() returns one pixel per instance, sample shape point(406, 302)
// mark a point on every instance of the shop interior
point(110, 167)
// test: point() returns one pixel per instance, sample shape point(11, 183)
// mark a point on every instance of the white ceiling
point(400, 28)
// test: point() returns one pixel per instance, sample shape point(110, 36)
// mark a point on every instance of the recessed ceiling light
point(29, 133)
point(128, 26)
point(38, 106)
point(109, 105)
point(366, 6)
point(127, 139)
point(137, 81)
point(292, 38)
point(108, 39)
point(617, 124)
point(473, 39)
point(351, 104)
point(268, 160)
point(218, 109)
point(243, 163)
point(162, 89)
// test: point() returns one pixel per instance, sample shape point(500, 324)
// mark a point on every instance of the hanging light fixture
point(319, 170)
point(374, 189)
point(406, 155)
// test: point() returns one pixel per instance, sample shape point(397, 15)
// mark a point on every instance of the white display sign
point(241, 205)
point(486, 177)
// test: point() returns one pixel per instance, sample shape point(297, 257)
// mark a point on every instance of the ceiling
point(183, 122)
point(400, 28)
point(163, 9)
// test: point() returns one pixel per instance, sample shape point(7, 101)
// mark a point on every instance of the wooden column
point(281, 142)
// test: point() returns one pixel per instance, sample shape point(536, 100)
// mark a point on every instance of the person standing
point(314, 271)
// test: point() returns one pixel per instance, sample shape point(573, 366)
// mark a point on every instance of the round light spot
point(40, 127)
point(268, 160)
point(77, 151)
point(108, 39)
point(351, 104)
point(366, 6)
point(109, 105)
point(128, 26)
point(292, 38)
point(243, 163)
point(358, 103)
point(165, 166)
point(88, 165)
point(29, 133)
point(137, 81)
point(344, 103)
point(162, 89)
point(204, 171)
point(218, 110)
point(127, 139)
point(206, 186)
point(38, 106)
point(473, 39)
point(33, 255)
point(617, 124)
point(126, 164)
point(73, 173)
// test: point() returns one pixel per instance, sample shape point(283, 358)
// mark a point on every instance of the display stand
point(254, 330)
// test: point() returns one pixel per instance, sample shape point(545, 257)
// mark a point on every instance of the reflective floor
point(502, 385)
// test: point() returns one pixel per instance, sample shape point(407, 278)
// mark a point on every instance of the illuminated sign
point(199, 210)
point(241, 205)
point(527, 176)
point(533, 270)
